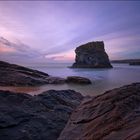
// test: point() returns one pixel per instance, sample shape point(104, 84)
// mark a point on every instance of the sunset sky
point(49, 31)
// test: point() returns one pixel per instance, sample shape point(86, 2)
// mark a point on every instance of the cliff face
point(114, 115)
point(91, 55)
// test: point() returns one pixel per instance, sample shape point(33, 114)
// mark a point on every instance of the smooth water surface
point(102, 79)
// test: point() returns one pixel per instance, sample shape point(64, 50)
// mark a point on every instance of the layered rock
point(91, 55)
point(41, 117)
point(15, 75)
point(114, 115)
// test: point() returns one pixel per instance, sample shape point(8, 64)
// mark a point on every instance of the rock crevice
point(114, 115)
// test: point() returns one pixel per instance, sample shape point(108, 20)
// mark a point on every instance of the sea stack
point(91, 55)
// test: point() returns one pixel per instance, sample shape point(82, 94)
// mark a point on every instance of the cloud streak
point(53, 29)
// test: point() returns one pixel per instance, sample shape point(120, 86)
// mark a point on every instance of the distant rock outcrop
point(134, 63)
point(91, 55)
point(114, 115)
point(41, 117)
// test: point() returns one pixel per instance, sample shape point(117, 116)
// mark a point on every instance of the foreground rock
point(91, 55)
point(41, 117)
point(115, 115)
point(78, 80)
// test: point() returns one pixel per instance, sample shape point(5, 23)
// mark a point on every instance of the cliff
point(91, 55)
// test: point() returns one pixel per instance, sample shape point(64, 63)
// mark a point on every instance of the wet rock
point(91, 55)
point(78, 80)
point(55, 80)
point(15, 75)
point(41, 117)
point(114, 115)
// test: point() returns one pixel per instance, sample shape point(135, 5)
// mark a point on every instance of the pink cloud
point(66, 56)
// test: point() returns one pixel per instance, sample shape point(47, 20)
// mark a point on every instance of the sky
point(49, 31)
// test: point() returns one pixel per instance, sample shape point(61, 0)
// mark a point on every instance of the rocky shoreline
point(15, 75)
point(67, 115)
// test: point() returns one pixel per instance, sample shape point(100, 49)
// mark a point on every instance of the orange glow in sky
point(4, 49)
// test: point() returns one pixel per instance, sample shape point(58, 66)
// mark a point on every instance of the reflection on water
point(102, 79)
point(30, 90)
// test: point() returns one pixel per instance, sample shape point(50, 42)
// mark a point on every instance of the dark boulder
point(114, 115)
point(41, 117)
point(78, 80)
point(91, 55)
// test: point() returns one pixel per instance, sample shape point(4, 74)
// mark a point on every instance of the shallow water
point(102, 79)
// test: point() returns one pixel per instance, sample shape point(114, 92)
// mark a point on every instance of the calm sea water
point(102, 79)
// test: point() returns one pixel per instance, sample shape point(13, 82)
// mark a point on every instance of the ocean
point(102, 79)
